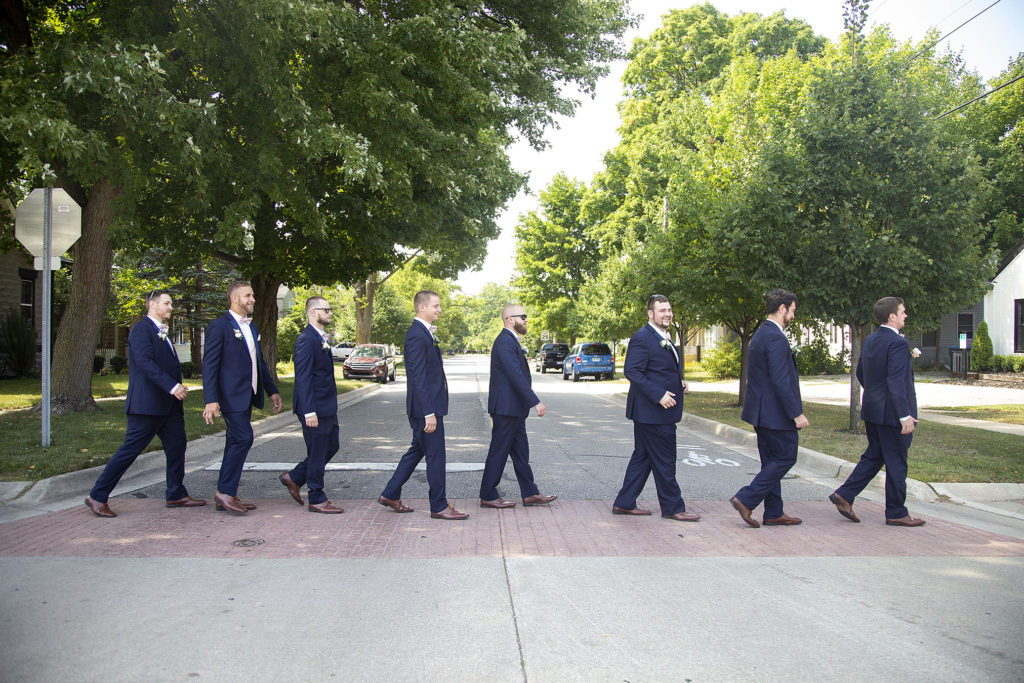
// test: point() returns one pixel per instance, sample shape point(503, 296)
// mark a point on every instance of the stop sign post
point(47, 222)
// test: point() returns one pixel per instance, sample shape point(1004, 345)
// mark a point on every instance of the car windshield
point(561, 348)
point(595, 350)
point(368, 352)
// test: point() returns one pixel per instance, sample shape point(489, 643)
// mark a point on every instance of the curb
point(199, 453)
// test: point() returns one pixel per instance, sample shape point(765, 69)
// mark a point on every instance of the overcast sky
point(577, 147)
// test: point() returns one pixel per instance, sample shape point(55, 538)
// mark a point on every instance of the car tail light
point(578, 359)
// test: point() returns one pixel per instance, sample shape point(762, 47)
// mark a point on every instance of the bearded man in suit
point(654, 404)
point(153, 406)
point(235, 377)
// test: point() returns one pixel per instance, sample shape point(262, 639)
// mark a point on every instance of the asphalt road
point(579, 450)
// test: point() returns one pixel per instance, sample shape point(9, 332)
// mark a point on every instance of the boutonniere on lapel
point(665, 343)
point(162, 334)
point(915, 352)
point(325, 346)
point(436, 343)
point(238, 334)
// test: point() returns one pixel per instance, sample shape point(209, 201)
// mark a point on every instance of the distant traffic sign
point(66, 222)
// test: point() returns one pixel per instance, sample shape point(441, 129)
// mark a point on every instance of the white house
point(1004, 304)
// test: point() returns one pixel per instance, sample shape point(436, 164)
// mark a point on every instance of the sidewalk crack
point(511, 598)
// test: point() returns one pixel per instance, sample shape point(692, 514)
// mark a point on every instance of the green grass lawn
point(1011, 413)
point(88, 439)
point(940, 452)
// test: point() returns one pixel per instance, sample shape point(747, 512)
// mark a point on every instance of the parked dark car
point(589, 358)
point(550, 356)
point(370, 361)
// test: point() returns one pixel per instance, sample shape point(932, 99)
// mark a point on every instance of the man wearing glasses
point(315, 401)
point(154, 408)
point(654, 404)
point(509, 400)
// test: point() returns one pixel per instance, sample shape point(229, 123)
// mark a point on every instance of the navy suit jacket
point(652, 369)
point(773, 384)
point(153, 370)
point(885, 372)
point(315, 388)
point(426, 386)
point(227, 367)
point(510, 389)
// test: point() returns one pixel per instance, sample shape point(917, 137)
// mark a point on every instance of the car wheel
point(543, 369)
point(575, 374)
point(393, 371)
point(565, 375)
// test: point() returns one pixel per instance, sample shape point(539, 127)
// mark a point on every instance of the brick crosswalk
point(568, 528)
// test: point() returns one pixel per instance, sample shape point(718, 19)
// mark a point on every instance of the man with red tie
point(235, 377)
point(154, 408)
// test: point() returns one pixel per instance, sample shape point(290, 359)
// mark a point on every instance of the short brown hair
point(656, 299)
point(423, 298)
point(236, 285)
point(779, 297)
point(886, 306)
point(312, 301)
point(154, 295)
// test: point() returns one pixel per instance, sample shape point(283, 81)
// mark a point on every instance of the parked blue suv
point(589, 358)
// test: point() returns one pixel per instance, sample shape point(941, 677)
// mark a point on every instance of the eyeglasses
point(517, 315)
point(328, 309)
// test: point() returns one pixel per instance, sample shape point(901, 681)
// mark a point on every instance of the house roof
point(1010, 256)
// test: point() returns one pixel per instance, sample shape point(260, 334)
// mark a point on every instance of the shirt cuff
point(904, 419)
point(426, 416)
point(175, 388)
point(309, 415)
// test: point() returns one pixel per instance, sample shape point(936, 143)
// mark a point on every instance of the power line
point(925, 49)
point(1010, 82)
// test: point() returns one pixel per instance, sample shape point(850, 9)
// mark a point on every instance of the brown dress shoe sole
point(636, 512)
point(191, 503)
point(400, 509)
point(848, 514)
point(499, 506)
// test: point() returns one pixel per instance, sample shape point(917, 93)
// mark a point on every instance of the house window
point(1018, 326)
point(28, 301)
point(929, 338)
point(965, 325)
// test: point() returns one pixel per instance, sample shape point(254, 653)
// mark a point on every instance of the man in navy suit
point(426, 404)
point(234, 379)
point(315, 401)
point(654, 404)
point(509, 400)
point(889, 411)
point(153, 405)
point(772, 404)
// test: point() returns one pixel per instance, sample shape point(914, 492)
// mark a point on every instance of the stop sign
point(65, 222)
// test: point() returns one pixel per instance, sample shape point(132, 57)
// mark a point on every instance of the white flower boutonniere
point(162, 335)
point(326, 346)
point(665, 343)
point(238, 334)
point(915, 352)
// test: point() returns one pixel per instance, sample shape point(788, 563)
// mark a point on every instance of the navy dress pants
point(778, 450)
point(508, 437)
point(886, 446)
point(237, 443)
point(654, 451)
point(431, 447)
point(321, 444)
point(140, 431)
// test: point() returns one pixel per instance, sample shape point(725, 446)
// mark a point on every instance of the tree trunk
point(365, 290)
point(75, 345)
point(744, 346)
point(857, 333)
point(264, 288)
point(938, 345)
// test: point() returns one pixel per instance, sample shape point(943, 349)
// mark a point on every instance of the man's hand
point(276, 400)
point(431, 424)
point(540, 409)
point(181, 392)
point(686, 388)
point(312, 421)
point(211, 411)
point(908, 425)
point(668, 400)
point(801, 421)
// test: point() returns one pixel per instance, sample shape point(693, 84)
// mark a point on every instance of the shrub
point(188, 369)
point(98, 362)
point(815, 359)
point(1018, 363)
point(18, 343)
point(1005, 363)
point(288, 330)
point(117, 364)
point(981, 349)
point(723, 361)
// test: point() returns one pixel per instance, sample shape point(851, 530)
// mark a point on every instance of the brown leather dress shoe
point(395, 505)
point(99, 509)
point(292, 487)
point(639, 512)
point(744, 512)
point(449, 513)
point(186, 502)
point(683, 516)
point(230, 503)
point(845, 509)
point(325, 508)
point(784, 520)
point(497, 503)
point(905, 521)
point(537, 499)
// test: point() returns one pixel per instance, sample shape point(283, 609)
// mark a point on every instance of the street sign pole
point(47, 226)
